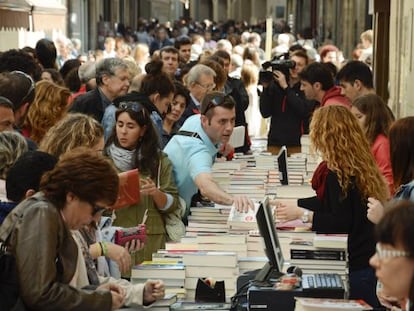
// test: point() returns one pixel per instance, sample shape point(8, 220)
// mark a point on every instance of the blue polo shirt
point(190, 156)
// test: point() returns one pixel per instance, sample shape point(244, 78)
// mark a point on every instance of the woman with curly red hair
point(343, 182)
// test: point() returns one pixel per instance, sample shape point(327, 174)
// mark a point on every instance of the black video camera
point(282, 65)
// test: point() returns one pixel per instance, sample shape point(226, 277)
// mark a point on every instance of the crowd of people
point(166, 103)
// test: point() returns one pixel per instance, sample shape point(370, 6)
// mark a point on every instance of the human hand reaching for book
point(243, 203)
point(287, 210)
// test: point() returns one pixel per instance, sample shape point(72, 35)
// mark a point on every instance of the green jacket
point(155, 226)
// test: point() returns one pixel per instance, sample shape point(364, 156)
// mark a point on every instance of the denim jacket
point(405, 192)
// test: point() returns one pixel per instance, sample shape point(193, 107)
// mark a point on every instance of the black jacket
point(339, 214)
point(290, 113)
point(89, 103)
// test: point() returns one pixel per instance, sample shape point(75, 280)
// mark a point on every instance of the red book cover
point(128, 193)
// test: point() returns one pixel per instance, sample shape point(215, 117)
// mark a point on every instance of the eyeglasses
point(389, 253)
point(214, 102)
point(208, 87)
point(32, 84)
point(134, 106)
point(96, 209)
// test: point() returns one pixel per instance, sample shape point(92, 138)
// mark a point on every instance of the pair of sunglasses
point(134, 106)
point(32, 84)
point(217, 100)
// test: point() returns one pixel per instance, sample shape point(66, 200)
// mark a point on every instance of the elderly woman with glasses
point(37, 233)
point(134, 144)
point(394, 257)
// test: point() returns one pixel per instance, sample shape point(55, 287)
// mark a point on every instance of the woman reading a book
point(134, 144)
point(394, 257)
point(343, 182)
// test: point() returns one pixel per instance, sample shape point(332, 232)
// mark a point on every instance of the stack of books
point(313, 259)
point(208, 219)
point(242, 222)
point(223, 242)
point(172, 274)
point(266, 161)
point(312, 160)
point(255, 244)
point(217, 265)
point(247, 264)
point(163, 304)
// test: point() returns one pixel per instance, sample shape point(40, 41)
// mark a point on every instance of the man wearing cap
point(193, 150)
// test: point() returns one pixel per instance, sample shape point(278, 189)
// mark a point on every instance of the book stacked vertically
point(217, 265)
point(312, 160)
point(312, 258)
point(296, 166)
point(266, 161)
point(208, 219)
point(250, 182)
point(171, 273)
point(255, 244)
point(242, 222)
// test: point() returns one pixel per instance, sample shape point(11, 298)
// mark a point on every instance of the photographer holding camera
point(285, 103)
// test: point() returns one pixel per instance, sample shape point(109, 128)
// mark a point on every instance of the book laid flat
point(316, 304)
point(128, 192)
point(195, 306)
point(158, 271)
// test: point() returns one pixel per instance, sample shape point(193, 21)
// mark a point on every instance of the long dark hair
point(402, 150)
point(147, 152)
point(378, 116)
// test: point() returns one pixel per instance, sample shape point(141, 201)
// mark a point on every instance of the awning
point(48, 15)
point(14, 14)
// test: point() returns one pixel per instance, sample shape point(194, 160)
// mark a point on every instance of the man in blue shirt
point(193, 149)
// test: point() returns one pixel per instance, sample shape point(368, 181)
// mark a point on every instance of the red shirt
point(380, 149)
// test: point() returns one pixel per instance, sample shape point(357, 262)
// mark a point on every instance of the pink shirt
point(380, 149)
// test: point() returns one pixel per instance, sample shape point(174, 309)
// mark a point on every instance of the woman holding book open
point(134, 144)
point(343, 182)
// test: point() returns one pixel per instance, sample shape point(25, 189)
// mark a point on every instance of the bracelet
point(104, 248)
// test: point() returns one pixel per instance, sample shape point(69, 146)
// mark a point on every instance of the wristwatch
point(305, 216)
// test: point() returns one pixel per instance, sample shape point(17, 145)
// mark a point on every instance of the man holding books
point(193, 150)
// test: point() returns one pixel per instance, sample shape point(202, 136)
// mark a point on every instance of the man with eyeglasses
point(199, 81)
point(112, 79)
point(193, 150)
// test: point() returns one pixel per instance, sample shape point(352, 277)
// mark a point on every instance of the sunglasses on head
point(137, 107)
point(217, 100)
point(32, 84)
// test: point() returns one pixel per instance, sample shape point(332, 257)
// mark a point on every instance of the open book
point(237, 137)
point(128, 192)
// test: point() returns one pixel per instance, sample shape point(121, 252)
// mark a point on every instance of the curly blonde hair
point(12, 146)
point(49, 106)
point(336, 134)
point(74, 130)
